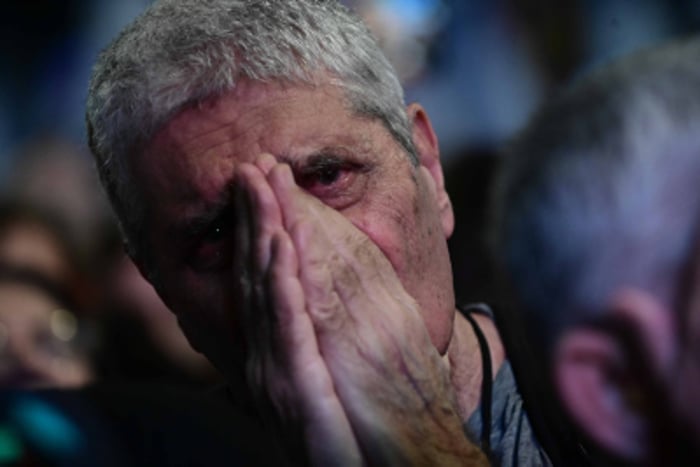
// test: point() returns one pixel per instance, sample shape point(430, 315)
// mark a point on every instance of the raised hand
point(392, 384)
point(285, 371)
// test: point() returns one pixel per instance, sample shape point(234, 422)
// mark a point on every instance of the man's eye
point(215, 234)
point(212, 251)
point(331, 180)
point(328, 175)
point(337, 181)
point(323, 176)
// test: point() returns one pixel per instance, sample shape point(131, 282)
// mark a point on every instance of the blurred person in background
point(44, 342)
point(47, 338)
point(598, 218)
point(37, 238)
point(57, 176)
point(60, 404)
point(60, 222)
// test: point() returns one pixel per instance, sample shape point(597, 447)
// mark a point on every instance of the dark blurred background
point(478, 66)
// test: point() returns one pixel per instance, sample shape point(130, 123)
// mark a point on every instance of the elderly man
point(292, 213)
point(598, 221)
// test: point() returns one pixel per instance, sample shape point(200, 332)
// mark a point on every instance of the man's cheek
point(391, 243)
point(208, 317)
point(196, 297)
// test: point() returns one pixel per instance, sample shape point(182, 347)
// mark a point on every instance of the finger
point(265, 162)
point(264, 220)
point(327, 428)
point(322, 301)
point(242, 277)
point(294, 373)
point(272, 392)
point(265, 211)
point(286, 303)
point(294, 203)
point(320, 262)
point(288, 300)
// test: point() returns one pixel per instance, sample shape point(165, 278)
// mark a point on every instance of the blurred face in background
point(28, 244)
point(38, 341)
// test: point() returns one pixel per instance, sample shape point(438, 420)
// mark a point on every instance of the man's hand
point(342, 347)
point(393, 385)
point(285, 372)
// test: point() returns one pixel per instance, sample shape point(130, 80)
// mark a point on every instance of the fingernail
point(266, 162)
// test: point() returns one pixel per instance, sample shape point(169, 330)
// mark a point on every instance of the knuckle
point(328, 313)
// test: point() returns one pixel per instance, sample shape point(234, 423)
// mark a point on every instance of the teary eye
point(323, 174)
point(324, 170)
point(328, 175)
point(336, 180)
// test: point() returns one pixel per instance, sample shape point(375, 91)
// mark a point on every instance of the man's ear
point(598, 378)
point(428, 153)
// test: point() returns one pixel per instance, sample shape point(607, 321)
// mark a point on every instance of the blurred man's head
point(598, 215)
point(193, 88)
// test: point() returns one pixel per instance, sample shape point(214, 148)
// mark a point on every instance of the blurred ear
point(428, 153)
point(598, 375)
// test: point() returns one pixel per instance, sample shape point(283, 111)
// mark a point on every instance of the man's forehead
point(275, 107)
point(190, 161)
point(284, 120)
point(250, 94)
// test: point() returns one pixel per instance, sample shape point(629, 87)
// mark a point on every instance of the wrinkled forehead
point(236, 125)
point(189, 164)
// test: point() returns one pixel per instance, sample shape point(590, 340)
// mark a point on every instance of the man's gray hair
point(180, 52)
point(602, 190)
